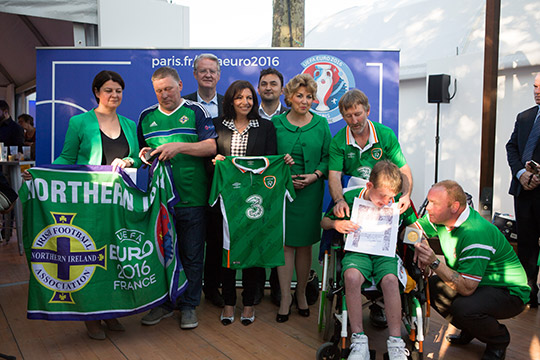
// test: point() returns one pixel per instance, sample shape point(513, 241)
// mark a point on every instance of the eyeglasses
point(207, 71)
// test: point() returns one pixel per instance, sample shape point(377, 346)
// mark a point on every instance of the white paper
point(377, 234)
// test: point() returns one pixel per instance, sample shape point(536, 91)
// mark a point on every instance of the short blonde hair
point(298, 81)
point(386, 175)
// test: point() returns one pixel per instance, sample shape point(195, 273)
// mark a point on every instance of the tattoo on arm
point(455, 277)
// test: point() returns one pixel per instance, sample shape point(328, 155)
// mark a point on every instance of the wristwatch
point(434, 265)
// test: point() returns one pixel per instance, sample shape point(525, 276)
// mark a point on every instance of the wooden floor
point(264, 339)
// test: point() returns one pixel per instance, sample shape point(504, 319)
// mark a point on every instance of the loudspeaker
point(438, 88)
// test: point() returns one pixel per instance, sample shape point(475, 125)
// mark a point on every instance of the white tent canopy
point(426, 30)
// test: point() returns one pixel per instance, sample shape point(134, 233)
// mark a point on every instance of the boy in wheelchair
point(384, 185)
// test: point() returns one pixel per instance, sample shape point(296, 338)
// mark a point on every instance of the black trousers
point(214, 250)
point(249, 282)
point(527, 207)
point(477, 314)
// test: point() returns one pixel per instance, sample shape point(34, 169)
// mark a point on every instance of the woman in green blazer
point(102, 137)
point(306, 137)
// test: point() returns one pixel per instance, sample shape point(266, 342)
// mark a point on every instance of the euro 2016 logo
point(334, 78)
point(64, 258)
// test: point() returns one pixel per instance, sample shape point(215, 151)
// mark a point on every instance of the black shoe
point(283, 318)
point(259, 293)
point(494, 353)
point(215, 297)
point(301, 312)
point(462, 338)
point(377, 316)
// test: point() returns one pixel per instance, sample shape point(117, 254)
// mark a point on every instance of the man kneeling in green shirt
point(385, 182)
point(482, 280)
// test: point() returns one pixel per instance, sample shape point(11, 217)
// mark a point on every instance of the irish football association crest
point(64, 258)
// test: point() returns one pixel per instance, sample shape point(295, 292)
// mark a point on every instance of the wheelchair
point(333, 322)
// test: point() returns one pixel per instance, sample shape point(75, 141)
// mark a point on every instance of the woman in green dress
point(306, 137)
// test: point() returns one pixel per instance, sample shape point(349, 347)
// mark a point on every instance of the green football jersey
point(347, 157)
point(188, 124)
point(477, 250)
point(252, 191)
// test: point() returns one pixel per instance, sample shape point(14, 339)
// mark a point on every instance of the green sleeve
point(394, 152)
point(72, 143)
point(215, 190)
point(428, 228)
point(287, 175)
point(130, 130)
point(349, 198)
point(335, 161)
point(327, 138)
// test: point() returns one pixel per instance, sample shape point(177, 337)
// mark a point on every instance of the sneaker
point(397, 349)
point(156, 315)
point(377, 316)
point(189, 319)
point(359, 347)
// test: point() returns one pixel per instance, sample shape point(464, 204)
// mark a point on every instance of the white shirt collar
point(172, 112)
point(212, 101)
point(372, 137)
point(264, 115)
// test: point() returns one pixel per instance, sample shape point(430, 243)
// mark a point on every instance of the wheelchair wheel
point(328, 351)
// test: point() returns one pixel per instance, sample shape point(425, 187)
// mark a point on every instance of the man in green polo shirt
point(482, 279)
point(356, 148)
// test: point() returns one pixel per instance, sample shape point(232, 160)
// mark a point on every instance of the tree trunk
point(288, 24)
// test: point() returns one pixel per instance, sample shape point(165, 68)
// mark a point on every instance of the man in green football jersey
point(481, 280)
point(181, 131)
point(356, 148)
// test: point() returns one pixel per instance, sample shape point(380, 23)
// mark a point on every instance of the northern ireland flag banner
point(98, 246)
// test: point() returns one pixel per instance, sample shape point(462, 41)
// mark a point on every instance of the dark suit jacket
point(261, 141)
point(193, 97)
point(516, 146)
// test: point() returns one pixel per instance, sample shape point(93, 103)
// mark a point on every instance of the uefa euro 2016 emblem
point(64, 258)
point(334, 78)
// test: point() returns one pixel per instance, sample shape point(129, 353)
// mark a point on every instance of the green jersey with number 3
point(252, 191)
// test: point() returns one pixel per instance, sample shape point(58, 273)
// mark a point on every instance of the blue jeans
point(191, 231)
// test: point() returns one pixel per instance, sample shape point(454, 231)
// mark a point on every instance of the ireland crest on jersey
point(376, 153)
point(269, 181)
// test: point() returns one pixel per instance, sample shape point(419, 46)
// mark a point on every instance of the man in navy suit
point(522, 149)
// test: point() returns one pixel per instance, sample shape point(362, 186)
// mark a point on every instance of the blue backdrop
point(64, 81)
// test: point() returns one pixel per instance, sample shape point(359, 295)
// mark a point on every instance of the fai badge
point(269, 181)
point(64, 258)
point(376, 153)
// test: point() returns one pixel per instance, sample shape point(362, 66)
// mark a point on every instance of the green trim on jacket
point(82, 145)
